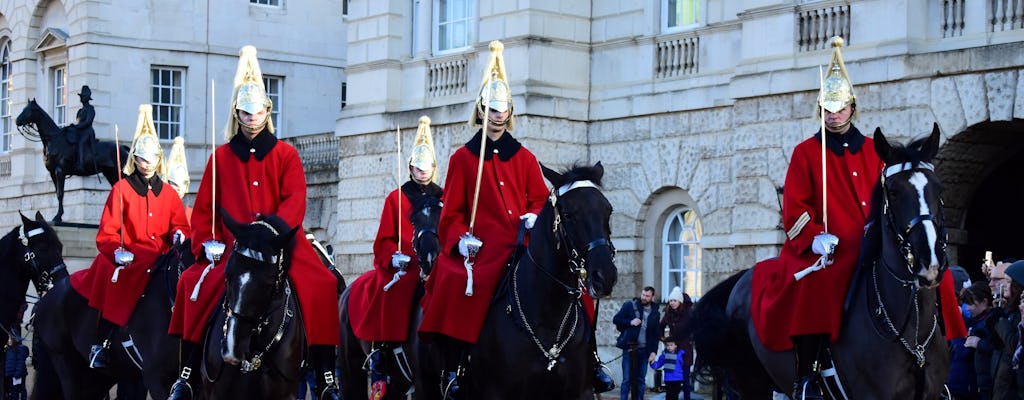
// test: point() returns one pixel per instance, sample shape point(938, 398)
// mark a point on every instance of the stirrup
point(450, 387)
point(807, 388)
point(98, 355)
point(181, 389)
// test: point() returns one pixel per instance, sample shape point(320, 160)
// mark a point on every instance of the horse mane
point(582, 172)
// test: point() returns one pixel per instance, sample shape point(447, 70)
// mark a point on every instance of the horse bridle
point(901, 236)
point(577, 265)
point(41, 277)
point(418, 232)
point(918, 349)
point(281, 285)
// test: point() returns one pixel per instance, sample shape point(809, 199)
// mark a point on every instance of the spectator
point(1007, 289)
point(673, 320)
point(671, 362)
point(637, 322)
point(979, 343)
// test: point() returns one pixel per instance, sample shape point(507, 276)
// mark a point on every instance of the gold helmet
point(250, 95)
point(423, 156)
point(495, 93)
point(836, 90)
point(177, 167)
point(145, 144)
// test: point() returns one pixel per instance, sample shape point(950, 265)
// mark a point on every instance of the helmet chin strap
point(252, 128)
point(839, 127)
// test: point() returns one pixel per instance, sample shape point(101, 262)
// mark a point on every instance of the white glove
point(469, 245)
point(213, 249)
point(178, 238)
point(399, 260)
point(825, 244)
point(530, 219)
point(123, 257)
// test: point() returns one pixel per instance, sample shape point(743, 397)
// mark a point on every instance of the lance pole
point(213, 160)
point(484, 109)
point(120, 192)
point(824, 174)
point(398, 181)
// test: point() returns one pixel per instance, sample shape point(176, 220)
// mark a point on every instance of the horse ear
point(552, 176)
point(282, 240)
point(24, 219)
point(230, 222)
point(882, 146)
point(932, 145)
point(598, 171)
point(39, 218)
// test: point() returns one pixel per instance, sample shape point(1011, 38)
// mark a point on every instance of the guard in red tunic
point(381, 300)
point(177, 172)
point(141, 220)
point(807, 314)
point(256, 176)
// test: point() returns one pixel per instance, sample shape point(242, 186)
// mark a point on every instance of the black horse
point(65, 325)
point(426, 245)
point(255, 344)
point(890, 345)
point(535, 342)
point(59, 154)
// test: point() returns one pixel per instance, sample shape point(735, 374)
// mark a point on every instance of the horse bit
point(256, 361)
point(577, 264)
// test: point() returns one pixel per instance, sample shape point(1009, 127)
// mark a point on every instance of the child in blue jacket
point(671, 363)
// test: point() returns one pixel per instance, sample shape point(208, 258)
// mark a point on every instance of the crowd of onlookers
point(641, 328)
point(987, 363)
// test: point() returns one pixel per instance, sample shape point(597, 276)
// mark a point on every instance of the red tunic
point(268, 181)
point(512, 185)
point(379, 315)
point(149, 224)
point(783, 307)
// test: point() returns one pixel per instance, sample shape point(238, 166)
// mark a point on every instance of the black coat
point(629, 335)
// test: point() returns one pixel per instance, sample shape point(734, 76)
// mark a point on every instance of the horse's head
point(35, 116)
point(581, 224)
point(426, 213)
point(256, 274)
point(28, 113)
point(34, 254)
point(911, 208)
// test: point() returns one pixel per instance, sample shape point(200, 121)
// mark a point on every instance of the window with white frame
point(274, 3)
point(167, 88)
point(274, 84)
point(60, 94)
point(453, 25)
point(681, 252)
point(680, 14)
point(6, 128)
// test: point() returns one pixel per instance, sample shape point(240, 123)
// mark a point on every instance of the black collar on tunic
point(259, 146)
point(141, 185)
point(852, 140)
point(506, 146)
point(416, 193)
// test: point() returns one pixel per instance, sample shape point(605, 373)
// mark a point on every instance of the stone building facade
point(693, 107)
point(179, 56)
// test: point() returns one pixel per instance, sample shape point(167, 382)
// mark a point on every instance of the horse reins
point(41, 278)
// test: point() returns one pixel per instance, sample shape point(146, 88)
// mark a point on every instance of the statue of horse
point(890, 345)
point(65, 325)
point(535, 342)
point(59, 154)
point(255, 344)
point(354, 352)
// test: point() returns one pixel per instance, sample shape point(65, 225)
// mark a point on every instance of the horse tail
point(721, 343)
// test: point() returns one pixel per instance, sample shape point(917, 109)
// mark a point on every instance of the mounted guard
point(141, 220)
point(177, 171)
point(381, 300)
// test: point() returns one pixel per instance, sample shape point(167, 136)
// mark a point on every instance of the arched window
point(6, 127)
point(681, 252)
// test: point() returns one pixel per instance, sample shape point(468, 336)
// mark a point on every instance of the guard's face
point(836, 121)
point(497, 120)
point(252, 123)
point(146, 168)
point(422, 176)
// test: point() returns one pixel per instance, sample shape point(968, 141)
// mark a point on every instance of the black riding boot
point(602, 382)
point(184, 388)
point(98, 355)
point(375, 371)
point(808, 383)
point(324, 361)
point(455, 362)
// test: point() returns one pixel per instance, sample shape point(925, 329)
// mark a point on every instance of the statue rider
point(81, 132)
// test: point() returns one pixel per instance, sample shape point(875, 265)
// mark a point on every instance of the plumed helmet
point(177, 166)
point(494, 92)
point(85, 93)
point(145, 143)
point(249, 95)
point(423, 156)
point(836, 90)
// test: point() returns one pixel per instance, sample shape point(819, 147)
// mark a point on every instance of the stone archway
point(980, 169)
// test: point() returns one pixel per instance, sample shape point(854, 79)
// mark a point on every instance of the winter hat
point(677, 294)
